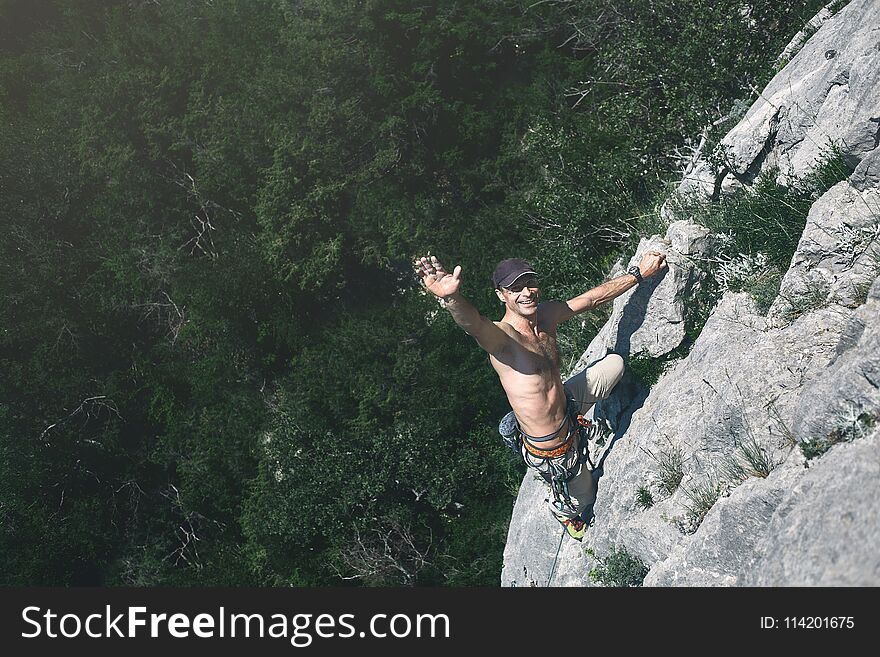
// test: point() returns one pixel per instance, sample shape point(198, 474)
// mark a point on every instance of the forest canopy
point(216, 364)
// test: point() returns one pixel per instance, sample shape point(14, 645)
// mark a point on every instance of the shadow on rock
point(633, 315)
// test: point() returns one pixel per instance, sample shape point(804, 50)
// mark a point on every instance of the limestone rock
point(851, 384)
point(650, 318)
point(533, 540)
point(838, 256)
point(816, 527)
point(827, 97)
point(725, 544)
point(826, 529)
point(702, 181)
point(798, 39)
point(867, 172)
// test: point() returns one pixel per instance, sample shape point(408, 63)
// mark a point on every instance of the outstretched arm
point(651, 263)
point(447, 288)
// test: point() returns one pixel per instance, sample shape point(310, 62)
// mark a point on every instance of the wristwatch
point(635, 271)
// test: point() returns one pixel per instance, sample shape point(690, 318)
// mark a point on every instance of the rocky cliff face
point(721, 441)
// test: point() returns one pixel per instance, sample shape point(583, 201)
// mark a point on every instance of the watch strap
point(635, 271)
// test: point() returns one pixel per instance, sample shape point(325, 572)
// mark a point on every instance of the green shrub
point(647, 369)
point(814, 447)
point(758, 229)
point(619, 568)
point(856, 424)
point(764, 288)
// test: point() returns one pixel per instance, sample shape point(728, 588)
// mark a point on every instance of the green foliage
point(618, 568)
point(764, 288)
point(647, 369)
point(759, 227)
point(213, 241)
point(853, 424)
point(644, 498)
point(475, 543)
point(637, 98)
point(814, 447)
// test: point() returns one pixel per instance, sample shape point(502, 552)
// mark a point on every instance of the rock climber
point(522, 350)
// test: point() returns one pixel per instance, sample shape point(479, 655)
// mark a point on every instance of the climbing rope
point(555, 558)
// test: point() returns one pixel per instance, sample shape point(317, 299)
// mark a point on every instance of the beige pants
point(595, 382)
point(587, 387)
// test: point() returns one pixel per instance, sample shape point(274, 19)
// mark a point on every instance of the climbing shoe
point(575, 527)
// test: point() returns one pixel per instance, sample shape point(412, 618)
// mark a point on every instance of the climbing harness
point(557, 466)
point(543, 453)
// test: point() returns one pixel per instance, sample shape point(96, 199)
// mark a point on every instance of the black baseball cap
point(511, 269)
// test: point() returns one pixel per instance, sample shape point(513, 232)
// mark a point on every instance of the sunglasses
point(519, 286)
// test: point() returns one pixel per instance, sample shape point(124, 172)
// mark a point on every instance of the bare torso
point(529, 373)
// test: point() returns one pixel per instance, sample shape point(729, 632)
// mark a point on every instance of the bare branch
point(89, 408)
point(167, 313)
point(387, 556)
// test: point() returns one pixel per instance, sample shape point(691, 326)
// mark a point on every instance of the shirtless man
point(522, 350)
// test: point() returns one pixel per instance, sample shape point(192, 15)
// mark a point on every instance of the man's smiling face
point(522, 296)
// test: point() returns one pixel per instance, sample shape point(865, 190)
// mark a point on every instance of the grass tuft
point(731, 470)
point(758, 461)
point(644, 498)
point(701, 498)
point(811, 299)
point(670, 469)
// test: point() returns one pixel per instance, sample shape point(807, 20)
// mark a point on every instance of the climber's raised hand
point(435, 278)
